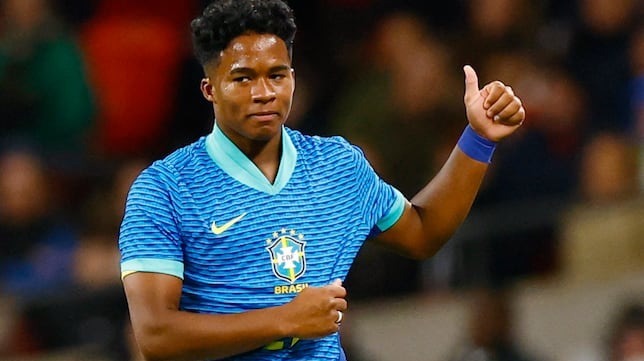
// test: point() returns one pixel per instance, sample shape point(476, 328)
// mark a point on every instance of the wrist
point(285, 325)
point(476, 146)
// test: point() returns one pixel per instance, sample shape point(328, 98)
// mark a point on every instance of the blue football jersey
point(207, 215)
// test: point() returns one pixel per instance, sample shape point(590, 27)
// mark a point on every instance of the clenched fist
point(494, 112)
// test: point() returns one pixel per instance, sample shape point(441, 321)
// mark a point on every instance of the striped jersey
point(207, 215)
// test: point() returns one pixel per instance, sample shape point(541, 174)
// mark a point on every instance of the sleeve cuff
point(394, 213)
point(165, 266)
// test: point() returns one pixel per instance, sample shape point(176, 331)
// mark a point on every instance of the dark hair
point(224, 20)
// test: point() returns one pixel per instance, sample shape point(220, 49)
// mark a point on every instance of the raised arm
point(163, 332)
point(434, 214)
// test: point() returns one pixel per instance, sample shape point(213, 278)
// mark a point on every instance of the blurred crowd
point(92, 91)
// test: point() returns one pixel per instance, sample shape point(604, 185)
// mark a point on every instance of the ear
point(293, 75)
point(206, 90)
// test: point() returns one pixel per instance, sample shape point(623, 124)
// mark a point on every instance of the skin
point(251, 88)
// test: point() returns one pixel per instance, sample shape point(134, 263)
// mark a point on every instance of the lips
point(265, 115)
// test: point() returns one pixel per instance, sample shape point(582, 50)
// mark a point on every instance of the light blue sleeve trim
point(166, 266)
point(394, 213)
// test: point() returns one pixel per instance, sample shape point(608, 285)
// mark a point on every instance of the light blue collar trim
point(229, 158)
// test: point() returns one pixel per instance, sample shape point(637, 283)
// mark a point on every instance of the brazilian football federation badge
point(288, 260)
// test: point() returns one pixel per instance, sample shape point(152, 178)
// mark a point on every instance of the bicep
point(150, 295)
point(437, 210)
point(404, 237)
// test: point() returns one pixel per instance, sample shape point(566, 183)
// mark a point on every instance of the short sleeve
point(149, 239)
point(381, 204)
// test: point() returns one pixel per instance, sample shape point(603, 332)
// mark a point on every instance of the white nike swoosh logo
point(219, 230)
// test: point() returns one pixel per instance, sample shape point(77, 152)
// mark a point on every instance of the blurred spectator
point(608, 169)
point(44, 96)
point(37, 241)
point(307, 114)
point(601, 231)
point(598, 58)
point(544, 159)
point(400, 109)
point(497, 25)
point(637, 95)
point(92, 313)
point(512, 231)
point(133, 51)
point(490, 334)
point(626, 341)
point(637, 71)
point(97, 257)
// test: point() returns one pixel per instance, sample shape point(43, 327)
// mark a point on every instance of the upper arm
point(437, 210)
point(149, 295)
point(151, 252)
point(405, 236)
point(150, 237)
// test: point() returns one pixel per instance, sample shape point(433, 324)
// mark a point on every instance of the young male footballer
point(234, 247)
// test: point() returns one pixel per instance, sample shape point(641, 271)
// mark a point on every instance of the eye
point(278, 76)
point(241, 79)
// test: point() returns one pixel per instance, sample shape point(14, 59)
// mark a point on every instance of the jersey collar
point(234, 162)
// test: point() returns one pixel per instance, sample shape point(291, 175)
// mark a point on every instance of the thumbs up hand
point(494, 112)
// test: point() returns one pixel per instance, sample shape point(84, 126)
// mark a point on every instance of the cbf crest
point(288, 259)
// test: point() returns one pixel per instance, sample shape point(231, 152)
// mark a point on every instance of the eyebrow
point(245, 70)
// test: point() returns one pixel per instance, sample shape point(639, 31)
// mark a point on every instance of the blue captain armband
point(476, 146)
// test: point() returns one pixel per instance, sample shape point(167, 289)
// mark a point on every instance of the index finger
point(494, 91)
point(336, 290)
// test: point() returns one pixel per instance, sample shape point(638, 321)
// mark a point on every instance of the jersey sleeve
point(381, 204)
point(149, 239)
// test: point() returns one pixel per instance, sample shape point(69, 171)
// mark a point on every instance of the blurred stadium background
point(549, 266)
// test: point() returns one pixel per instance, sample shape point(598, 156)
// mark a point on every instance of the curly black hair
point(224, 20)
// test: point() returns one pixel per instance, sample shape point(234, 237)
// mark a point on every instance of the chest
point(236, 239)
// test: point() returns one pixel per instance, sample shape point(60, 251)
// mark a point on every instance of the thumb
point(337, 282)
point(471, 83)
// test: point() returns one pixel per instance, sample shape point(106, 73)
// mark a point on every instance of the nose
point(263, 91)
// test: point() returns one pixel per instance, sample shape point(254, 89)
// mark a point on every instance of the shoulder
point(168, 172)
point(323, 147)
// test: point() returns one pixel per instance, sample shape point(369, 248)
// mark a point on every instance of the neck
point(265, 155)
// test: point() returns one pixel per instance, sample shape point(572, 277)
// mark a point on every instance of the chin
point(266, 132)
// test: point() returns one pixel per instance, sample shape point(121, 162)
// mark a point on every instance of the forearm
point(493, 113)
point(180, 335)
point(163, 332)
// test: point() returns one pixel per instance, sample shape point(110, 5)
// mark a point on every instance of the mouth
point(265, 116)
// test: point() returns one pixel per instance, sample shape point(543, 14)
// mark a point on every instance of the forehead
point(252, 51)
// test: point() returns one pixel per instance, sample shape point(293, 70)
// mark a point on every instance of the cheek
point(228, 89)
point(287, 92)
point(231, 99)
point(232, 109)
